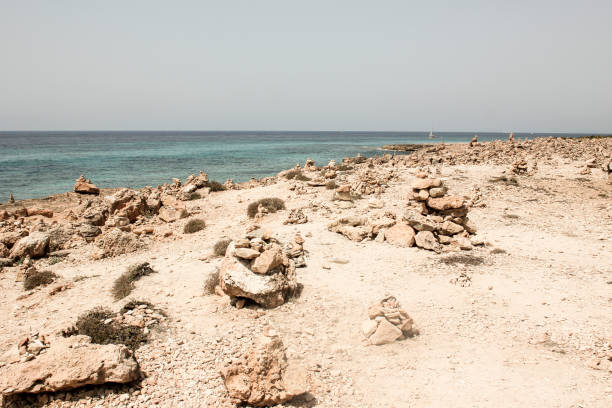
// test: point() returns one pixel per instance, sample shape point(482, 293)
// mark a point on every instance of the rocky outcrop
point(387, 322)
point(85, 186)
point(259, 270)
point(262, 376)
point(359, 228)
point(67, 364)
point(116, 242)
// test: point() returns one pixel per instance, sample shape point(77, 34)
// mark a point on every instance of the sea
point(36, 164)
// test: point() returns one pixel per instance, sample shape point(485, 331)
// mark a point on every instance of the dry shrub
point(331, 185)
point(221, 246)
point(194, 225)
point(511, 216)
point(505, 180)
point(94, 324)
point(35, 279)
point(464, 259)
point(498, 251)
point(211, 283)
point(215, 186)
point(195, 196)
point(270, 204)
point(344, 167)
point(296, 174)
point(124, 284)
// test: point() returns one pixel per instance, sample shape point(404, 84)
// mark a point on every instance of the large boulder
point(171, 214)
point(267, 290)
point(263, 377)
point(427, 240)
point(85, 186)
point(67, 364)
point(34, 245)
point(116, 242)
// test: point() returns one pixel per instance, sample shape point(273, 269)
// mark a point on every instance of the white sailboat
point(431, 135)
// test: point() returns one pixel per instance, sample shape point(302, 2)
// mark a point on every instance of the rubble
point(296, 216)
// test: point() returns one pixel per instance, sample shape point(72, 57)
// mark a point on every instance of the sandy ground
point(524, 332)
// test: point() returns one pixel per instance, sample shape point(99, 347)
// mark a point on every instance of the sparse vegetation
point(54, 259)
point(211, 282)
point(194, 225)
point(79, 278)
point(124, 285)
point(100, 326)
point(495, 251)
point(331, 185)
point(296, 174)
point(511, 216)
point(215, 186)
point(344, 167)
point(270, 204)
point(195, 196)
point(511, 181)
point(221, 246)
point(464, 259)
point(35, 279)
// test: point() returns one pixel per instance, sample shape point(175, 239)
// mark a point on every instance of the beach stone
point(436, 192)
point(419, 221)
point(422, 195)
point(469, 226)
point(368, 327)
point(425, 183)
point(445, 203)
point(246, 253)
point(426, 240)
point(67, 364)
point(34, 245)
point(450, 228)
point(268, 260)
point(170, 214)
point(263, 377)
point(400, 235)
point(385, 333)
point(40, 211)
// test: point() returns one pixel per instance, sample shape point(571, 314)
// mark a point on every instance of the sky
point(535, 66)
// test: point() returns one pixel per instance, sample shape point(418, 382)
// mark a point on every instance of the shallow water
point(37, 164)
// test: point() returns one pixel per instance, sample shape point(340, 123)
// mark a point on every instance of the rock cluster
point(359, 228)
point(387, 322)
point(67, 364)
point(262, 376)
point(258, 268)
point(439, 219)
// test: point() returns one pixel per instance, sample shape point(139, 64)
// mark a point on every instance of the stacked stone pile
point(258, 268)
point(439, 219)
point(387, 322)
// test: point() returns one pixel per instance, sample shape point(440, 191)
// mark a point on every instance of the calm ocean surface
point(37, 164)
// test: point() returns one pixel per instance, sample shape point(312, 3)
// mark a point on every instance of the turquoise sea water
point(37, 164)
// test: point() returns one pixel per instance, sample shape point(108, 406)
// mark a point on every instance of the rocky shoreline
point(260, 289)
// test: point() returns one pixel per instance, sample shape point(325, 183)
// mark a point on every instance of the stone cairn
point(387, 322)
point(257, 268)
point(439, 219)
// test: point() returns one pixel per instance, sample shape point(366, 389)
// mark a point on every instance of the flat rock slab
point(70, 363)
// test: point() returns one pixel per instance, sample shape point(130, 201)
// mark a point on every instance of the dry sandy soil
point(525, 331)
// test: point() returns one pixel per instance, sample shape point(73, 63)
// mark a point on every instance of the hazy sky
point(306, 65)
